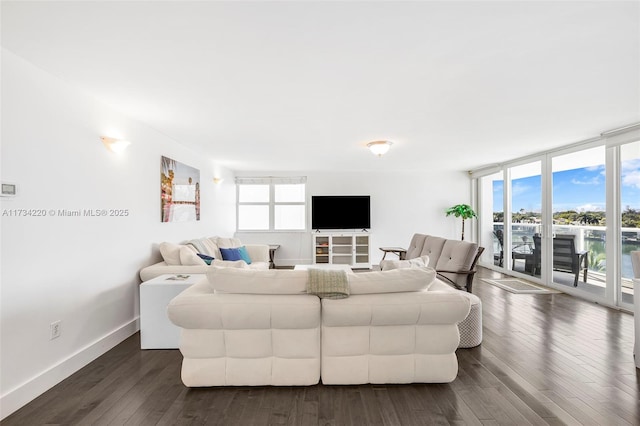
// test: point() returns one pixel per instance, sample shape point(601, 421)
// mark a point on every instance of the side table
point(156, 331)
point(397, 250)
point(272, 254)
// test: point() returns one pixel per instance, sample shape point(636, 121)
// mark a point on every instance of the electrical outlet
point(55, 328)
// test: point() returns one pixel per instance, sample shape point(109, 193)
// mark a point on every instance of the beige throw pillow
point(418, 262)
point(252, 281)
point(394, 281)
point(170, 253)
point(229, 263)
point(188, 256)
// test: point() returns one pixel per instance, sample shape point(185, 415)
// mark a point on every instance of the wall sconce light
point(217, 180)
point(115, 145)
point(379, 148)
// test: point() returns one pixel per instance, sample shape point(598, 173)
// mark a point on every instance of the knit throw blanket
point(329, 284)
point(199, 246)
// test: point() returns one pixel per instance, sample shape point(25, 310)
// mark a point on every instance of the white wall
point(402, 203)
point(82, 271)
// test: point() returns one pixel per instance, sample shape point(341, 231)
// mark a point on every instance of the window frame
point(273, 182)
point(612, 141)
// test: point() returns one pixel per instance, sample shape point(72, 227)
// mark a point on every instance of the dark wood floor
point(545, 359)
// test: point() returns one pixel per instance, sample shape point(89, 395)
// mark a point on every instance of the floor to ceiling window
point(526, 217)
point(579, 257)
point(573, 217)
point(491, 213)
point(629, 216)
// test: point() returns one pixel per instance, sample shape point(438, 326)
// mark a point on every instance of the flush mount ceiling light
point(115, 145)
point(379, 148)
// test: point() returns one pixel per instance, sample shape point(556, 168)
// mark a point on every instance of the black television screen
point(340, 212)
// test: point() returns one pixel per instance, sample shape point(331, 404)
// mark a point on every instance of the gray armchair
point(454, 261)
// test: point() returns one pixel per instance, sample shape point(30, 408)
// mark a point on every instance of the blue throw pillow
point(244, 254)
point(207, 259)
point(239, 253)
point(230, 254)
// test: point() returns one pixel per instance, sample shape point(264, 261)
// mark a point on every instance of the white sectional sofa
point(253, 327)
point(183, 258)
point(392, 338)
point(257, 328)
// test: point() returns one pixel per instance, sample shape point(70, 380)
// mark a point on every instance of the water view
point(579, 204)
point(588, 238)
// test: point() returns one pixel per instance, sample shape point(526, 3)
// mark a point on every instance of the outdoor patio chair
point(565, 256)
point(567, 259)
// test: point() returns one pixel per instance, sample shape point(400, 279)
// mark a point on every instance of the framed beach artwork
point(179, 191)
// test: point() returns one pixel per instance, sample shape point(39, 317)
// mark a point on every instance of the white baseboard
point(28, 391)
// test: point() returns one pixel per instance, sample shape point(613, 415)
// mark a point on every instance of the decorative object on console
point(379, 148)
point(464, 211)
point(115, 145)
point(179, 191)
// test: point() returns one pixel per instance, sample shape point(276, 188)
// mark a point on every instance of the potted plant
point(462, 210)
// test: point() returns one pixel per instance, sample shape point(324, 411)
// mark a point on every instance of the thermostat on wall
point(9, 189)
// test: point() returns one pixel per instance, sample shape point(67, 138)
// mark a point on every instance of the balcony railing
point(588, 238)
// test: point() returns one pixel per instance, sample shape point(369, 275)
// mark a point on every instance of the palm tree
point(587, 218)
point(462, 210)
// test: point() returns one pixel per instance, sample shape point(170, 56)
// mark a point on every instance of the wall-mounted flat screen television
point(340, 212)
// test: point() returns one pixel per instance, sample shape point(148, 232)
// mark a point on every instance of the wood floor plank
point(371, 406)
point(545, 359)
point(388, 412)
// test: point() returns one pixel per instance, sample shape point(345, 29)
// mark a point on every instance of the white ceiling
point(278, 86)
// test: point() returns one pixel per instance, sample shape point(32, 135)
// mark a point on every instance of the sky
point(577, 189)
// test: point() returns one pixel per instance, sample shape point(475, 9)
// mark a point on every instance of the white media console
point(342, 248)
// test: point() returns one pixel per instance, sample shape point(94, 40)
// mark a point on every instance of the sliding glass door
point(525, 218)
point(629, 218)
point(567, 219)
point(579, 257)
point(491, 218)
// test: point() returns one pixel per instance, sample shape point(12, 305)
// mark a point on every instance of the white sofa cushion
point(418, 262)
point(251, 281)
point(229, 263)
point(392, 338)
point(242, 339)
point(225, 242)
point(393, 281)
point(170, 253)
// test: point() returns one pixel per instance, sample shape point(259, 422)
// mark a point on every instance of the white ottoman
point(471, 327)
